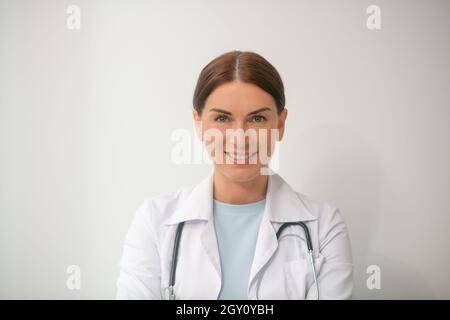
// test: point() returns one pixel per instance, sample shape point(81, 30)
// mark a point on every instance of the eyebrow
point(229, 113)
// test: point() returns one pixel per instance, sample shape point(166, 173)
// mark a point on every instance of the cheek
point(213, 139)
point(267, 138)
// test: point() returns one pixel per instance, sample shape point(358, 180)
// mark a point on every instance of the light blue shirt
point(237, 227)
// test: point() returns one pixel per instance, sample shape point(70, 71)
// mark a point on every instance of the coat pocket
point(299, 277)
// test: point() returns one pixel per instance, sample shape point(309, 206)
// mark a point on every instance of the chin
point(239, 173)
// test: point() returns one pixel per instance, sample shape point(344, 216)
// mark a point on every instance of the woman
point(228, 246)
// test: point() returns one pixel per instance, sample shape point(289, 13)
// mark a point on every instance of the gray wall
point(86, 118)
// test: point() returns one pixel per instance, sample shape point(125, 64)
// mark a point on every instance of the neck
point(239, 192)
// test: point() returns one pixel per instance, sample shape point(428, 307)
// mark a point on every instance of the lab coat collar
point(282, 203)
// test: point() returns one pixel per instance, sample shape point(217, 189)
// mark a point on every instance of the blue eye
point(259, 118)
point(221, 118)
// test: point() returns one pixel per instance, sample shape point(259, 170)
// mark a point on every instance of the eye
point(221, 118)
point(259, 118)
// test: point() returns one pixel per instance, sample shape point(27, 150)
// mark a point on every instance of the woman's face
point(239, 126)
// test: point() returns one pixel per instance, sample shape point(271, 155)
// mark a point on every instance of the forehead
point(239, 96)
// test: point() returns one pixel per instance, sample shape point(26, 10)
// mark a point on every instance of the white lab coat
point(280, 269)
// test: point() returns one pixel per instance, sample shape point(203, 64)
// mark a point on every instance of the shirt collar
point(283, 204)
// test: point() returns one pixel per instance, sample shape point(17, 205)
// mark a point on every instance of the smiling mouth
point(240, 157)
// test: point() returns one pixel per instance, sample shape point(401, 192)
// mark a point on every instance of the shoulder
point(158, 208)
point(332, 232)
point(329, 216)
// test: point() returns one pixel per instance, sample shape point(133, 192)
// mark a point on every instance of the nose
point(239, 125)
point(239, 140)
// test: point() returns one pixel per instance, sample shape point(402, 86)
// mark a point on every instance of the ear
point(197, 124)
point(281, 123)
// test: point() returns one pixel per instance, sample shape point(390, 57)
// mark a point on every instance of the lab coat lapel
point(282, 205)
point(199, 206)
point(204, 198)
point(208, 236)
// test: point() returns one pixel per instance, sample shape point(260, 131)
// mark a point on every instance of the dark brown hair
point(245, 66)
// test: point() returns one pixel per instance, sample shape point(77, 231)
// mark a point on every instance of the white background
point(86, 118)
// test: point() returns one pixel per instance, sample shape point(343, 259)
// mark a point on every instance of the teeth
point(239, 157)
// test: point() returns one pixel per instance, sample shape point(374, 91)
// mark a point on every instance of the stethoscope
point(176, 244)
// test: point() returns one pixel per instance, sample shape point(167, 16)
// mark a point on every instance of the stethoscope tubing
point(278, 234)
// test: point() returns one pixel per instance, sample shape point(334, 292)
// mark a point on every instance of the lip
point(240, 156)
